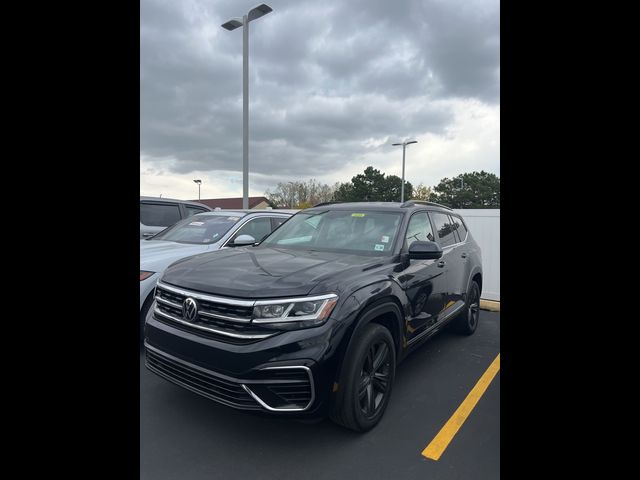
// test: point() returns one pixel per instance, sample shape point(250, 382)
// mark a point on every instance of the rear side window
point(159, 215)
point(419, 229)
point(459, 227)
point(444, 229)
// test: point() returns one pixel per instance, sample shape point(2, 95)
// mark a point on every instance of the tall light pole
point(198, 182)
point(404, 147)
point(292, 194)
point(254, 13)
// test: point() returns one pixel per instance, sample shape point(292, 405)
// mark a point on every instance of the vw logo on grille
point(190, 309)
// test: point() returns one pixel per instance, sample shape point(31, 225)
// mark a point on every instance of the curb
point(490, 305)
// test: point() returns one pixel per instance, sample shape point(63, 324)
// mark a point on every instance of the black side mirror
point(426, 250)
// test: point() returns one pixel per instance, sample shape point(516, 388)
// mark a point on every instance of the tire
point(358, 384)
point(143, 313)
point(467, 322)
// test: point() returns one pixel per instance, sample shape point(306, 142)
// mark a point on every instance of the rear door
point(461, 266)
point(425, 282)
point(449, 263)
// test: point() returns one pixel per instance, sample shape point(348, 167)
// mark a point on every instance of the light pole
point(292, 193)
point(254, 13)
point(404, 147)
point(198, 182)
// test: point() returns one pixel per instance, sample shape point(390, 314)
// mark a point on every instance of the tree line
point(467, 190)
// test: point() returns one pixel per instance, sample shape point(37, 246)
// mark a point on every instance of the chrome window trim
point(272, 409)
point(213, 330)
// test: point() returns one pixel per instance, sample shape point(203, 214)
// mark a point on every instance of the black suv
point(314, 319)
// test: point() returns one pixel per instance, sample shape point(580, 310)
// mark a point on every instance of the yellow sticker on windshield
point(358, 214)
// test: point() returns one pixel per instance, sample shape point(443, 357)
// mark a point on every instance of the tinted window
point(159, 215)
point(459, 227)
point(419, 229)
point(444, 229)
point(191, 210)
point(199, 229)
point(258, 228)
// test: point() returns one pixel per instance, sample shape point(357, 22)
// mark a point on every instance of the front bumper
point(291, 373)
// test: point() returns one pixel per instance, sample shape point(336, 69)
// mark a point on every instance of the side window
point(444, 229)
point(191, 210)
point(419, 229)
point(258, 228)
point(459, 227)
point(159, 215)
point(276, 222)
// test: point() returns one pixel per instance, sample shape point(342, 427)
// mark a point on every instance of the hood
point(156, 255)
point(263, 272)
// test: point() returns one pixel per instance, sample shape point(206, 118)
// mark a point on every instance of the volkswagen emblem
point(190, 309)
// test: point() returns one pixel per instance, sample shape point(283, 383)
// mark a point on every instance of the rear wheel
point(366, 380)
point(467, 321)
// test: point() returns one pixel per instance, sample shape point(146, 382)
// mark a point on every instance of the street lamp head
point(232, 24)
point(395, 144)
point(412, 141)
point(198, 181)
point(259, 11)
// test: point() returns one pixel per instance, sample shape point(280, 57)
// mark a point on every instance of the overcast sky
point(332, 84)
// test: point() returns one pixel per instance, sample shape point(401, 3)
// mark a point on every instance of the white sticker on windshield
point(384, 239)
point(379, 247)
point(233, 218)
point(197, 224)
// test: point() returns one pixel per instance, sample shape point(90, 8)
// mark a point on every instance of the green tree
point(469, 190)
point(422, 192)
point(372, 186)
point(295, 194)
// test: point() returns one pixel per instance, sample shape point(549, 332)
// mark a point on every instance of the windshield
point(348, 231)
point(198, 229)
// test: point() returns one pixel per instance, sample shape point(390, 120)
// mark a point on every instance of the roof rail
point(410, 203)
point(325, 203)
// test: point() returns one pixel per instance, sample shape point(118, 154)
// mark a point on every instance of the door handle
point(441, 263)
point(464, 255)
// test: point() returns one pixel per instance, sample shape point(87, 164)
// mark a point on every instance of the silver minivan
point(156, 214)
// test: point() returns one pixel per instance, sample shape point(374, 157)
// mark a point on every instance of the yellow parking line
point(440, 442)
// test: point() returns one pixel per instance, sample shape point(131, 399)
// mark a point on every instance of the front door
point(424, 281)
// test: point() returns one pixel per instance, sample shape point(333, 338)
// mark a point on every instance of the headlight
point(310, 311)
point(144, 274)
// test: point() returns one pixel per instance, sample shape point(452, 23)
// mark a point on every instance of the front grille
point(223, 319)
point(204, 382)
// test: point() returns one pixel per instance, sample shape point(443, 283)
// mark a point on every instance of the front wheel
point(366, 381)
point(467, 320)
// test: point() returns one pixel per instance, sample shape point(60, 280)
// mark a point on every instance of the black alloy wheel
point(374, 379)
point(366, 380)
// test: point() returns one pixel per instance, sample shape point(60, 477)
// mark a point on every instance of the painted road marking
point(440, 442)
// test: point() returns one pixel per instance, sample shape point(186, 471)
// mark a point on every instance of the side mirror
point(242, 241)
point(426, 250)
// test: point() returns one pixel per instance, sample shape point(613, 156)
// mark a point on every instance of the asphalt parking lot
point(184, 436)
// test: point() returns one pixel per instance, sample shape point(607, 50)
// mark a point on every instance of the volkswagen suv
point(314, 319)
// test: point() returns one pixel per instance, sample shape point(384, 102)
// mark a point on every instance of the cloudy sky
point(332, 84)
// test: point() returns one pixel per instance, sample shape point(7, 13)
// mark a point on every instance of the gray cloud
point(325, 79)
